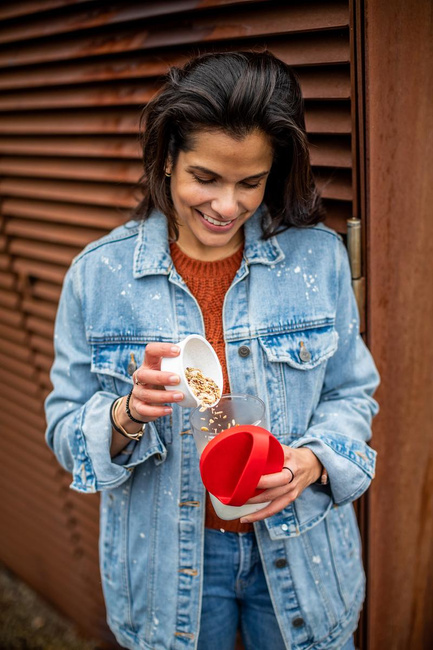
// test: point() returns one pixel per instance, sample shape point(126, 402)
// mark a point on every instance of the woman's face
point(215, 188)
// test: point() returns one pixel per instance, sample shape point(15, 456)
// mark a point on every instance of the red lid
point(233, 462)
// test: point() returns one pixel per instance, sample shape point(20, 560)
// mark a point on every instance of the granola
point(204, 388)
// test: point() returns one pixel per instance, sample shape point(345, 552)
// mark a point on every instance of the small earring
point(168, 174)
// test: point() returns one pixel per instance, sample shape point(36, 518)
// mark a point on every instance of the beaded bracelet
point(128, 412)
point(118, 427)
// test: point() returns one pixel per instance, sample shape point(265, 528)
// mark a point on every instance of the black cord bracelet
point(113, 424)
point(131, 436)
point(128, 412)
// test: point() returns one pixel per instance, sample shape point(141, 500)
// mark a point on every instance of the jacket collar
point(152, 253)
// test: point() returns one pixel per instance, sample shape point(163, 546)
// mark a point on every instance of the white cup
point(195, 352)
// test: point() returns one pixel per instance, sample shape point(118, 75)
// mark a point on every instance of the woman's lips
point(215, 225)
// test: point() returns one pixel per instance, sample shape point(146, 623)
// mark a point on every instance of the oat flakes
point(204, 388)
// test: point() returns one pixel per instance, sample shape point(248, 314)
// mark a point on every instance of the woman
point(226, 243)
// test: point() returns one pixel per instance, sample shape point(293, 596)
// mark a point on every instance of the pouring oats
point(204, 388)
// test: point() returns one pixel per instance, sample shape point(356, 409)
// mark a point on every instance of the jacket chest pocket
point(295, 365)
point(114, 364)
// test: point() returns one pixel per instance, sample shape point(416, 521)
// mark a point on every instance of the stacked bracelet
point(118, 427)
point(128, 412)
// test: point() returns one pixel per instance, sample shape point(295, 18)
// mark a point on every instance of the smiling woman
point(226, 243)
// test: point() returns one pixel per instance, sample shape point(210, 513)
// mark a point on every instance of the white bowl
point(195, 352)
point(228, 513)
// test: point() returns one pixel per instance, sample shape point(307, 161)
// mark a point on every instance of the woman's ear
point(168, 167)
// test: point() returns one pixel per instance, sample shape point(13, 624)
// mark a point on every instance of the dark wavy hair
point(237, 93)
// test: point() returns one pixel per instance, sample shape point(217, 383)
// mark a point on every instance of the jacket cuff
point(350, 464)
point(137, 452)
point(94, 469)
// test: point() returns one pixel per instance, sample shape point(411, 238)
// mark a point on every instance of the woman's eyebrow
point(212, 173)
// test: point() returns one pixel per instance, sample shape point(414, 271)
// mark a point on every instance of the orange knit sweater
point(209, 283)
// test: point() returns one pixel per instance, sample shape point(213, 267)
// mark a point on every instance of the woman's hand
point(149, 399)
point(279, 488)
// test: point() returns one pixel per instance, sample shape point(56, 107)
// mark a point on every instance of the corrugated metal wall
point(73, 78)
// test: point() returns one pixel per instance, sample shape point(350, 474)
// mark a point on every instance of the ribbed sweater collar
point(188, 266)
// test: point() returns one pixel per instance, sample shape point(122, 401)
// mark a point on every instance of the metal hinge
point(354, 247)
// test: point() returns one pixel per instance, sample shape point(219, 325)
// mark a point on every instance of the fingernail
point(174, 379)
point(168, 410)
point(245, 520)
point(178, 396)
point(175, 349)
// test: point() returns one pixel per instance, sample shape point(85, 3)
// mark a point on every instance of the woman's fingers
point(152, 396)
point(148, 400)
point(276, 506)
point(149, 403)
point(274, 493)
point(155, 407)
point(147, 376)
point(155, 351)
point(275, 480)
point(148, 412)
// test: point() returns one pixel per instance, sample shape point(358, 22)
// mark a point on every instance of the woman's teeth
point(214, 221)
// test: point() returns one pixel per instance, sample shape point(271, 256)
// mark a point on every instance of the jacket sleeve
point(341, 424)
point(78, 412)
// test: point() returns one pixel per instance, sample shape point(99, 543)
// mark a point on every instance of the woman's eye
point(208, 181)
point(204, 181)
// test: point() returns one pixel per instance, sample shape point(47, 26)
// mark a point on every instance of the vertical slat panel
point(399, 46)
point(73, 78)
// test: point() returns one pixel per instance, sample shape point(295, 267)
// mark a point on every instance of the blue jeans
point(235, 594)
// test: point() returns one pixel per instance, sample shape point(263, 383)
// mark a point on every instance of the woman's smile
point(219, 224)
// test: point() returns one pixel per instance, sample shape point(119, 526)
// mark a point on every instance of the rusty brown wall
point(74, 75)
point(399, 130)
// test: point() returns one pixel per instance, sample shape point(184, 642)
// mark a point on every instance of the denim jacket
point(291, 292)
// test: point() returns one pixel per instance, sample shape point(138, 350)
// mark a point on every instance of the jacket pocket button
point(132, 366)
point(304, 353)
point(298, 622)
point(281, 563)
point(244, 351)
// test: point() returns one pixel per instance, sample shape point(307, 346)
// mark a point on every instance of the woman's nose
point(225, 204)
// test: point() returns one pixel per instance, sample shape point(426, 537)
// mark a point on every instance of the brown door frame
point(397, 53)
